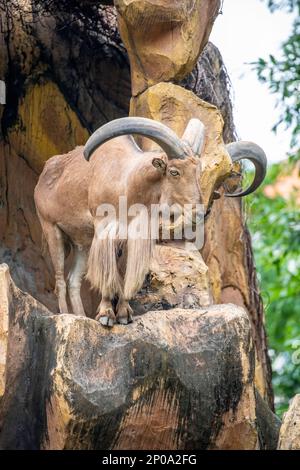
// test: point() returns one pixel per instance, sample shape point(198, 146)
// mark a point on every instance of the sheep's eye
point(174, 173)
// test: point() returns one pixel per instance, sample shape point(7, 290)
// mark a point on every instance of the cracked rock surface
point(176, 379)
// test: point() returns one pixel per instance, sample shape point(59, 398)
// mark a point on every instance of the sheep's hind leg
point(106, 314)
point(55, 240)
point(75, 280)
point(124, 312)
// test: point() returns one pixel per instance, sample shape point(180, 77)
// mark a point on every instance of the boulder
point(178, 278)
point(289, 437)
point(176, 379)
point(176, 33)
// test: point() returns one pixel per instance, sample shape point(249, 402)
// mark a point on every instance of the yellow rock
point(46, 125)
point(178, 278)
point(175, 106)
point(164, 37)
point(173, 379)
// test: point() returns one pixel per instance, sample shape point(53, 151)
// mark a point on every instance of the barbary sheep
point(71, 189)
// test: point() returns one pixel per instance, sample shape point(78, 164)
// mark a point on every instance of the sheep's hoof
point(124, 315)
point(124, 320)
point(106, 321)
point(106, 318)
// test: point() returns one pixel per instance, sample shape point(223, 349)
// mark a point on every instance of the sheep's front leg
point(124, 312)
point(106, 314)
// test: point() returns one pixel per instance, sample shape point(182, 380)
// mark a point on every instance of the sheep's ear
point(159, 164)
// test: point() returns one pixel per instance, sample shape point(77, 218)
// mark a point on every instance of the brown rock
point(41, 118)
point(164, 37)
point(178, 278)
point(46, 125)
point(289, 437)
point(21, 244)
point(230, 268)
point(177, 379)
point(3, 70)
point(175, 106)
point(268, 424)
point(4, 320)
point(81, 61)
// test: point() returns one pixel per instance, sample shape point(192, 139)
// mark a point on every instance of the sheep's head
point(179, 163)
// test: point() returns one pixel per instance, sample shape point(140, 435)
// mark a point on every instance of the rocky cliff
point(67, 72)
point(202, 377)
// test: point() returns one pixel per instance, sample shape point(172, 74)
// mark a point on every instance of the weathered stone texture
point(164, 38)
point(46, 125)
point(84, 68)
point(178, 278)
point(176, 379)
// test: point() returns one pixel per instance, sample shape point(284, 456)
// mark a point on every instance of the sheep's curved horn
point(159, 133)
point(250, 151)
point(194, 135)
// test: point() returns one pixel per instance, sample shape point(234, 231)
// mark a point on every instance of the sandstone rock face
point(164, 37)
point(228, 269)
point(86, 69)
point(4, 320)
point(227, 276)
point(19, 228)
point(42, 118)
point(46, 125)
point(177, 379)
point(289, 437)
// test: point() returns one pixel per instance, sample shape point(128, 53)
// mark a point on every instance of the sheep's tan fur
point(109, 255)
point(68, 195)
point(139, 252)
point(102, 267)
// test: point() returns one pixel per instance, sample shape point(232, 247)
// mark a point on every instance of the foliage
point(282, 74)
point(275, 223)
point(275, 227)
point(289, 5)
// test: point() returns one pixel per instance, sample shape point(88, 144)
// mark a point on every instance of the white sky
point(246, 31)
